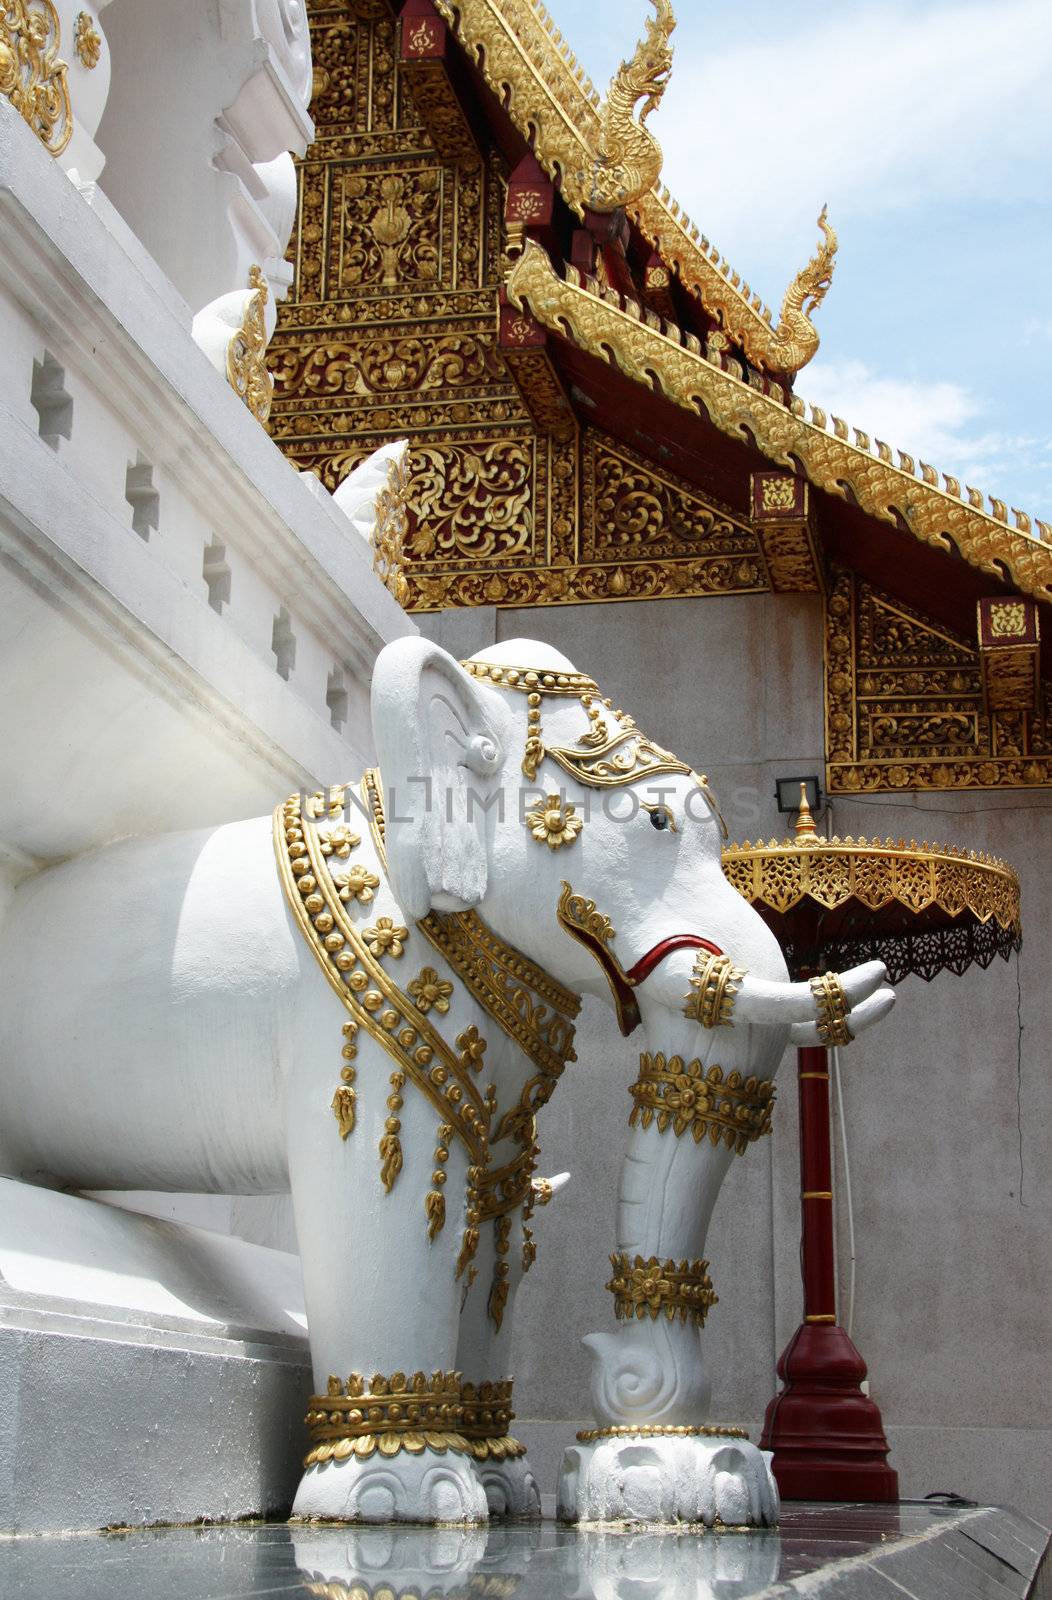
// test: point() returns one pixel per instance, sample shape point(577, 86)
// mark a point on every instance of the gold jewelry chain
point(371, 997)
point(530, 1006)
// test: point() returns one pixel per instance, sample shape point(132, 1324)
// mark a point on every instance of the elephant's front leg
point(382, 1300)
point(653, 1456)
point(648, 1371)
point(484, 1357)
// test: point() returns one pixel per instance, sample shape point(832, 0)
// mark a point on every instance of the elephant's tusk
point(580, 918)
point(545, 1189)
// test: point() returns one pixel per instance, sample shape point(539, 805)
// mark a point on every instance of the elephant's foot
point(428, 1487)
point(364, 1561)
point(668, 1478)
point(672, 1564)
point(511, 1489)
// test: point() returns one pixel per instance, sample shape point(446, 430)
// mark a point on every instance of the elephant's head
point(514, 788)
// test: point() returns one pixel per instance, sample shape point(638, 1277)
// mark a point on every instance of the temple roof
point(585, 144)
point(651, 352)
point(530, 68)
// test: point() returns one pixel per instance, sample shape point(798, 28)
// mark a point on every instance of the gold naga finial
point(796, 334)
point(806, 832)
point(627, 156)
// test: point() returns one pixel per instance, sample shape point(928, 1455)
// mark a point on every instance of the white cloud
point(936, 422)
point(876, 107)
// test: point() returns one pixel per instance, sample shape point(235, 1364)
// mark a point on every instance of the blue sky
point(927, 127)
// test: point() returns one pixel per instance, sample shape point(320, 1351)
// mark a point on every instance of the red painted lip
point(653, 958)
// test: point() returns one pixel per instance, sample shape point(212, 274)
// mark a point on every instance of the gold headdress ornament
point(602, 758)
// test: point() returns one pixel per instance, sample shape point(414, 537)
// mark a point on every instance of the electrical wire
point(845, 1188)
point(841, 1117)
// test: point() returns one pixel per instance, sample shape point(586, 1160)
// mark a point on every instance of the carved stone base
point(660, 1478)
point(404, 1488)
point(511, 1489)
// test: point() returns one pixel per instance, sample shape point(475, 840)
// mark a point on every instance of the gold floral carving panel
point(393, 227)
point(636, 511)
point(473, 504)
point(905, 709)
point(392, 330)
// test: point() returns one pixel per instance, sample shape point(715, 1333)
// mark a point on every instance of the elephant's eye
point(661, 818)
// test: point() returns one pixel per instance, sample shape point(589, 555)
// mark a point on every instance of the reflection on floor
point(872, 1552)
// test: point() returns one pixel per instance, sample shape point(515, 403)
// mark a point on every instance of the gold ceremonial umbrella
point(919, 908)
point(832, 904)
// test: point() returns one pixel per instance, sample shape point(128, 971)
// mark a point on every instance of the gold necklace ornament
point(531, 1007)
point(352, 961)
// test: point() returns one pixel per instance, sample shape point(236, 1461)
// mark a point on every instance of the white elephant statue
point(166, 1026)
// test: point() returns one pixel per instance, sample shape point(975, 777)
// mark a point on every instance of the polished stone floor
point(868, 1552)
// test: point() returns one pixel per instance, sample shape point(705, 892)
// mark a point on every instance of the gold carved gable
point(391, 330)
point(634, 511)
point(905, 708)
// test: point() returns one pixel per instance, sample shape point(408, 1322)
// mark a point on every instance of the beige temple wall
point(948, 1106)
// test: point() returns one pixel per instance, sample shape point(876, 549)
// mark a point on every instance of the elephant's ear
point(440, 758)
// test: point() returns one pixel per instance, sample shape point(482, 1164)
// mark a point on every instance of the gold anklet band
point(628, 1431)
point(730, 1109)
point(388, 1415)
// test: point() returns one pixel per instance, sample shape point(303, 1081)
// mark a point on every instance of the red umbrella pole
point(827, 1436)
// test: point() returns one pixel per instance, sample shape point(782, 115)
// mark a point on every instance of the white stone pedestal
point(668, 1478)
point(149, 1372)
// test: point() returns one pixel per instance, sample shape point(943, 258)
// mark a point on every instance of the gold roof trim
point(833, 871)
point(547, 93)
point(785, 348)
point(612, 328)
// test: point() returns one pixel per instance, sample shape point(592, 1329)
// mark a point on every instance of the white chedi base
point(656, 1478)
point(404, 1488)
